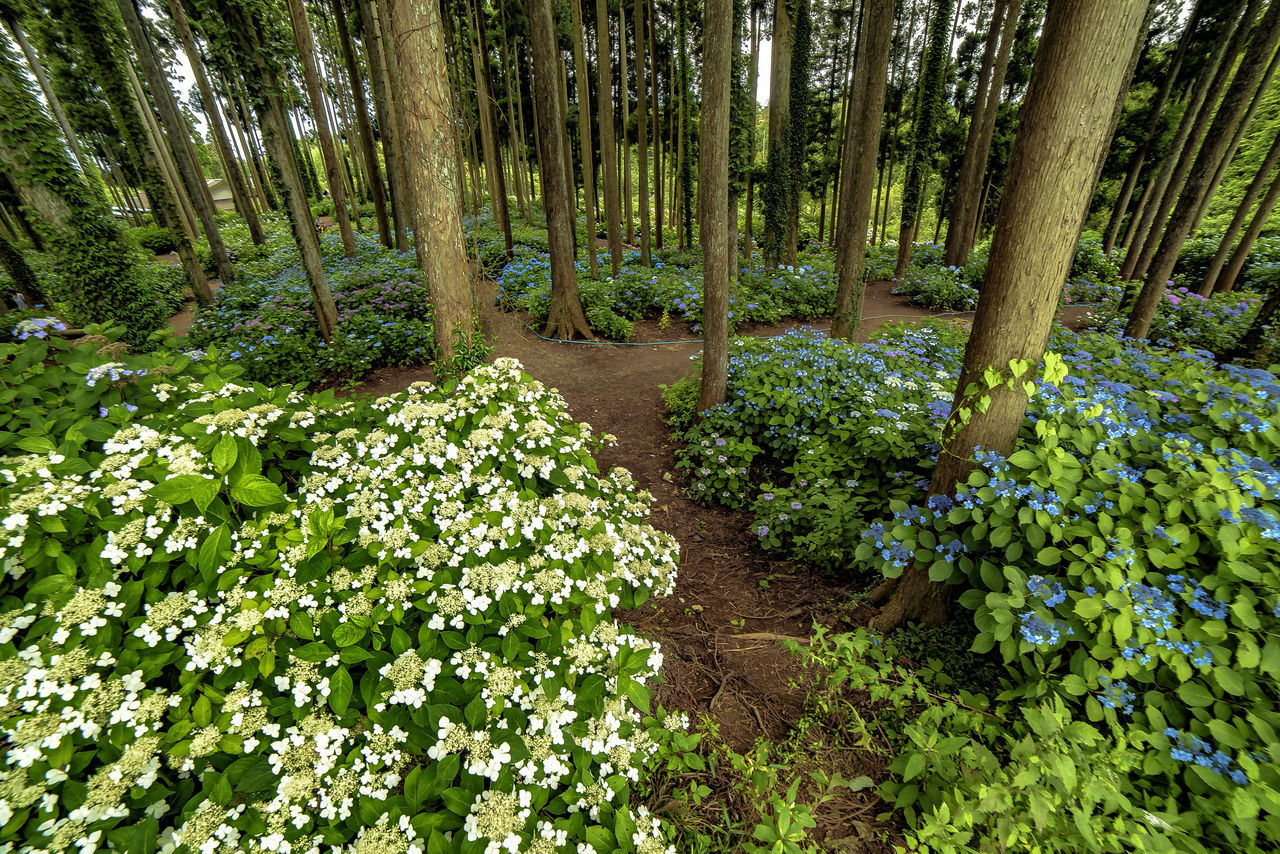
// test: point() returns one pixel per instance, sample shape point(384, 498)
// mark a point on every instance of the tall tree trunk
point(798, 123)
point(333, 175)
point(489, 127)
point(642, 129)
point(1209, 284)
point(775, 194)
point(686, 123)
point(513, 107)
point(564, 318)
point(1253, 66)
point(1153, 126)
point(373, 52)
point(164, 158)
point(608, 145)
point(580, 73)
point(969, 184)
point(1182, 152)
point(1227, 280)
point(361, 109)
point(1077, 75)
point(93, 178)
point(753, 75)
point(713, 200)
point(239, 193)
point(419, 43)
point(657, 126)
point(261, 76)
point(625, 97)
point(932, 75)
point(861, 142)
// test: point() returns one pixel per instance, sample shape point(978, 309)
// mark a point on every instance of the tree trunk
point(1182, 152)
point(513, 106)
point(155, 141)
point(564, 318)
point(1077, 75)
point(932, 74)
point(1153, 127)
point(24, 280)
point(489, 127)
point(1253, 66)
point(798, 123)
point(1227, 280)
point(1210, 284)
point(753, 74)
point(969, 184)
point(642, 130)
point(584, 135)
point(361, 109)
point(657, 127)
point(333, 175)
point(625, 98)
point(373, 50)
point(608, 145)
point(861, 142)
point(260, 74)
point(239, 193)
point(713, 200)
point(419, 43)
point(776, 191)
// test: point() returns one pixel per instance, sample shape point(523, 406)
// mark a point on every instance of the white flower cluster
point(430, 602)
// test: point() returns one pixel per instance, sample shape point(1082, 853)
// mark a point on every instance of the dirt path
point(730, 596)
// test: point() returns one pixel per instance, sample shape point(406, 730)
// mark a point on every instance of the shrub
point(239, 617)
point(938, 288)
point(153, 238)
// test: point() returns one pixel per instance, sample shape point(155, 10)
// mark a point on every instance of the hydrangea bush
point(265, 321)
point(239, 618)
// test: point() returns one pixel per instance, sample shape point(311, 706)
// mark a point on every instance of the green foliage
point(680, 398)
point(254, 614)
point(153, 238)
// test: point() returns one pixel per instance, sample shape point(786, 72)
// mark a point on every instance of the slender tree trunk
point(186, 163)
point(861, 142)
point(625, 98)
point(419, 43)
point(1209, 284)
point(164, 159)
point(1182, 152)
point(1227, 280)
point(364, 131)
point(333, 175)
point(642, 129)
point(1153, 127)
point(776, 191)
point(1254, 65)
point(24, 280)
point(1077, 75)
point(753, 75)
point(932, 73)
point(580, 74)
point(713, 200)
point(657, 126)
point(969, 184)
point(262, 77)
point(564, 318)
point(517, 137)
point(373, 51)
point(489, 127)
point(608, 145)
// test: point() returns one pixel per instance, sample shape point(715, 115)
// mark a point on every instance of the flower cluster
point(37, 327)
point(247, 620)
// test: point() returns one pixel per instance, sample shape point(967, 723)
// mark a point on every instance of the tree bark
point(1210, 283)
point(657, 126)
point(608, 144)
point(1227, 280)
point(624, 95)
point(489, 128)
point(584, 135)
point(713, 201)
point(753, 75)
point(776, 192)
point(513, 107)
point(642, 130)
point(1182, 152)
point(333, 174)
point(1076, 79)
point(1253, 66)
point(419, 43)
point(386, 124)
point(969, 184)
point(361, 109)
point(260, 74)
point(564, 318)
point(861, 142)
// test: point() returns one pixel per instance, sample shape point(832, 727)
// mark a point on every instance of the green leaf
point(254, 490)
point(224, 454)
point(915, 766)
point(186, 487)
point(209, 558)
point(1194, 694)
point(312, 652)
point(1049, 556)
point(346, 634)
point(340, 690)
